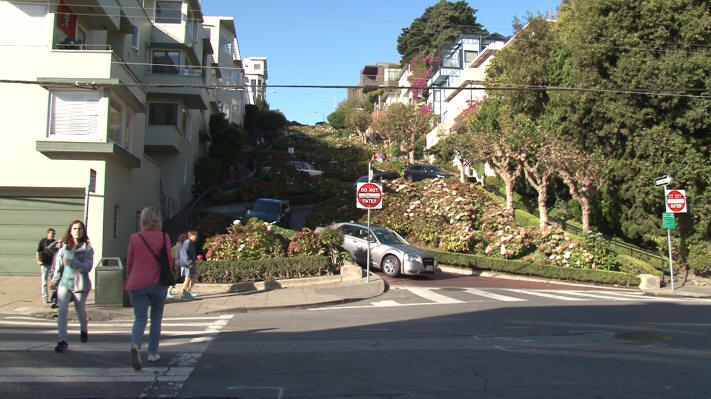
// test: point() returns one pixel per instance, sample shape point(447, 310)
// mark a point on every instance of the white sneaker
point(153, 357)
point(136, 358)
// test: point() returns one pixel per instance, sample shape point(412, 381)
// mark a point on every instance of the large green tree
point(647, 68)
point(438, 26)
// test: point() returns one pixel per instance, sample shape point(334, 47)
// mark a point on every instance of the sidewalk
point(20, 295)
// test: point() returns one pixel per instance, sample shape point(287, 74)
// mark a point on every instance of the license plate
point(429, 267)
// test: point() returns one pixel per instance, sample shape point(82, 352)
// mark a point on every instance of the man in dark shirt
point(46, 249)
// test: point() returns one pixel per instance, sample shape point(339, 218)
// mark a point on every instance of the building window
point(168, 12)
point(470, 56)
point(165, 61)
point(120, 124)
point(163, 114)
point(115, 121)
point(257, 66)
point(74, 114)
point(135, 38)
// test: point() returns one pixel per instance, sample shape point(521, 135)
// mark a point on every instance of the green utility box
point(110, 276)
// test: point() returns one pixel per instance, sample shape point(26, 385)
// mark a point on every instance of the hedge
point(536, 269)
point(632, 265)
point(235, 271)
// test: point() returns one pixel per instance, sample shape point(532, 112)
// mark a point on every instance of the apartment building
point(227, 68)
point(255, 72)
point(105, 106)
point(374, 77)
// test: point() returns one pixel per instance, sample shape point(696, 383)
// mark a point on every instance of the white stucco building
point(255, 71)
point(113, 92)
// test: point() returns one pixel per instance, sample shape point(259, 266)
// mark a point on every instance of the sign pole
point(367, 270)
point(671, 268)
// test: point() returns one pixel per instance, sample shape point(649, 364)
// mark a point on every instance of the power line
point(669, 92)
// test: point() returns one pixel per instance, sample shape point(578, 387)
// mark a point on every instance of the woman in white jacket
point(73, 263)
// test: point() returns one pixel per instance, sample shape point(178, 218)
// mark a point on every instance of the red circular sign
point(369, 195)
point(676, 201)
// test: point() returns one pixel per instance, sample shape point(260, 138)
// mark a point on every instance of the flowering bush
point(305, 242)
point(590, 253)
point(253, 240)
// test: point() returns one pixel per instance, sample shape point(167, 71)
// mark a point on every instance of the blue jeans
point(63, 296)
point(153, 296)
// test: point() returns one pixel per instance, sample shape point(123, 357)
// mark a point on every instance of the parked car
point(270, 210)
point(389, 252)
point(378, 177)
point(421, 171)
point(305, 167)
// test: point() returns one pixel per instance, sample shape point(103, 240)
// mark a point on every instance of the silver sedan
point(389, 252)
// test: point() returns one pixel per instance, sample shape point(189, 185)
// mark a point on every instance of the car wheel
point(390, 265)
point(408, 177)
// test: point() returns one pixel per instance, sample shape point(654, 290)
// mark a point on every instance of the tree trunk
point(585, 206)
point(509, 182)
point(543, 208)
point(462, 175)
point(412, 148)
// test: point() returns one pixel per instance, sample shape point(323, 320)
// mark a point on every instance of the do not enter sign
point(675, 200)
point(369, 196)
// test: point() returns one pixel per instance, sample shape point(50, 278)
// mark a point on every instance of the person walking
point(75, 260)
point(144, 285)
point(46, 249)
point(188, 265)
point(176, 258)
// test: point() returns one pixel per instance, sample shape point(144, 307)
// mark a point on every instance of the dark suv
point(421, 171)
point(270, 210)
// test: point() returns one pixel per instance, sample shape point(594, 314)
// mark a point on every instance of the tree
point(582, 173)
point(497, 139)
point(438, 26)
point(338, 118)
point(358, 120)
point(405, 124)
point(661, 49)
point(524, 63)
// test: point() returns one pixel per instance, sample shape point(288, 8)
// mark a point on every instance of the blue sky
point(327, 42)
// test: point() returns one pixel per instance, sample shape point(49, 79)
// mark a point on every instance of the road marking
point(385, 303)
point(432, 296)
point(545, 295)
point(491, 295)
point(94, 374)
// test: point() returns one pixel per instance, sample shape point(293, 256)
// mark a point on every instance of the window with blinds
point(74, 115)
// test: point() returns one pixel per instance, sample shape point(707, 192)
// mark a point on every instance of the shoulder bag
point(166, 275)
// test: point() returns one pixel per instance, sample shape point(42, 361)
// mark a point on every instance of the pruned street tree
point(359, 120)
point(405, 124)
point(498, 140)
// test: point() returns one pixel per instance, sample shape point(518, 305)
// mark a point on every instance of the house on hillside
point(105, 110)
point(458, 83)
point(382, 75)
point(227, 68)
point(255, 72)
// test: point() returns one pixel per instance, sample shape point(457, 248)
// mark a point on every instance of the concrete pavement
point(20, 295)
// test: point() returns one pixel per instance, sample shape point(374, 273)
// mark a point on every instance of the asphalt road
point(413, 341)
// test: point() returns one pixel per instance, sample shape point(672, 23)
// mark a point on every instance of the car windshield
point(266, 206)
point(386, 236)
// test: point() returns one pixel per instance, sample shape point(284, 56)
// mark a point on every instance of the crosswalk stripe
point(93, 374)
point(545, 295)
point(606, 295)
point(492, 295)
point(432, 296)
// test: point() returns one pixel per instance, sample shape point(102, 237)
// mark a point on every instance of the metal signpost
point(675, 202)
point(369, 196)
point(91, 188)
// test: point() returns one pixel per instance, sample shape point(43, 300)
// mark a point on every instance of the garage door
point(24, 220)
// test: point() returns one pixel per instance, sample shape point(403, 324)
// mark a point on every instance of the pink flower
point(199, 257)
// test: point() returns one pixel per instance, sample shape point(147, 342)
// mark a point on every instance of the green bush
point(700, 257)
point(632, 265)
point(235, 271)
point(536, 269)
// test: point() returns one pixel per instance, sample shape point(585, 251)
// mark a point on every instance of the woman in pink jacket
point(143, 284)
